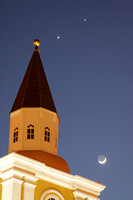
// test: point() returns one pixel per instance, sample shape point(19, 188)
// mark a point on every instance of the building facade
point(32, 170)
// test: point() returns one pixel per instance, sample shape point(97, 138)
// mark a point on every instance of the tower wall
point(40, 124)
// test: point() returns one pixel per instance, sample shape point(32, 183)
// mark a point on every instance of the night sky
point(90, 73)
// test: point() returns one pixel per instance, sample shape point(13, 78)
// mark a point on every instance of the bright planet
point(102, 159)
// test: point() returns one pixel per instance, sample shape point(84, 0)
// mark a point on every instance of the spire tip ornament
point(36, 44)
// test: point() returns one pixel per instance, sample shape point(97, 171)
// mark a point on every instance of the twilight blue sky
point(90, 73)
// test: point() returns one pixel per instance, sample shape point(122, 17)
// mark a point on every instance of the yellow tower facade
point(32, 170)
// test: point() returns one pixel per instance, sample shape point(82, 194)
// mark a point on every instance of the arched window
point(30, 132)
point(51, 194)
point(15, 135)
point(47, 134)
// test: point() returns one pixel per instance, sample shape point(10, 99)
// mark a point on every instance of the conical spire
point(34, 90)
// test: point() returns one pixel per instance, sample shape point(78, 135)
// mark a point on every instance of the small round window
point(52, 197)
point(51, 194)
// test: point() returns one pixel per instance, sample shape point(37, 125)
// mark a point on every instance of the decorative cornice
point(17, 165)
point(81, 195)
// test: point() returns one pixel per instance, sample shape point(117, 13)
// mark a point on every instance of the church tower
point(33, 118)
point(32, 170)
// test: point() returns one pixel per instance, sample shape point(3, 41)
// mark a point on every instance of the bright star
point(85, 19)
point(58, 37)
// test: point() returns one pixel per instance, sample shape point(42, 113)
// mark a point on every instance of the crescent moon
point(103, 161)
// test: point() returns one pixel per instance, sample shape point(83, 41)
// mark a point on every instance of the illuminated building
point(32, 170)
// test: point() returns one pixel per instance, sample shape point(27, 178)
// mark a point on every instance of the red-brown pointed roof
point(34, 90)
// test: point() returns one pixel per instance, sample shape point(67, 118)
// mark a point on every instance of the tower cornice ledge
point(15, 165)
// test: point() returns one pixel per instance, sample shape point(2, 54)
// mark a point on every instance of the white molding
point(15, 164)
point(18, 173)
point(81, 195)
point(11, 180)
point(29, 185)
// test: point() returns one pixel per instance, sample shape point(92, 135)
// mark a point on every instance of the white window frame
point(51, 193)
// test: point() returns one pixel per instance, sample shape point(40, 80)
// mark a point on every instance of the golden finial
point(36, 44)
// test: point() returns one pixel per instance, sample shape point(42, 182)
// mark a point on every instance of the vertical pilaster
point(29, 189)
point(11, 189)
